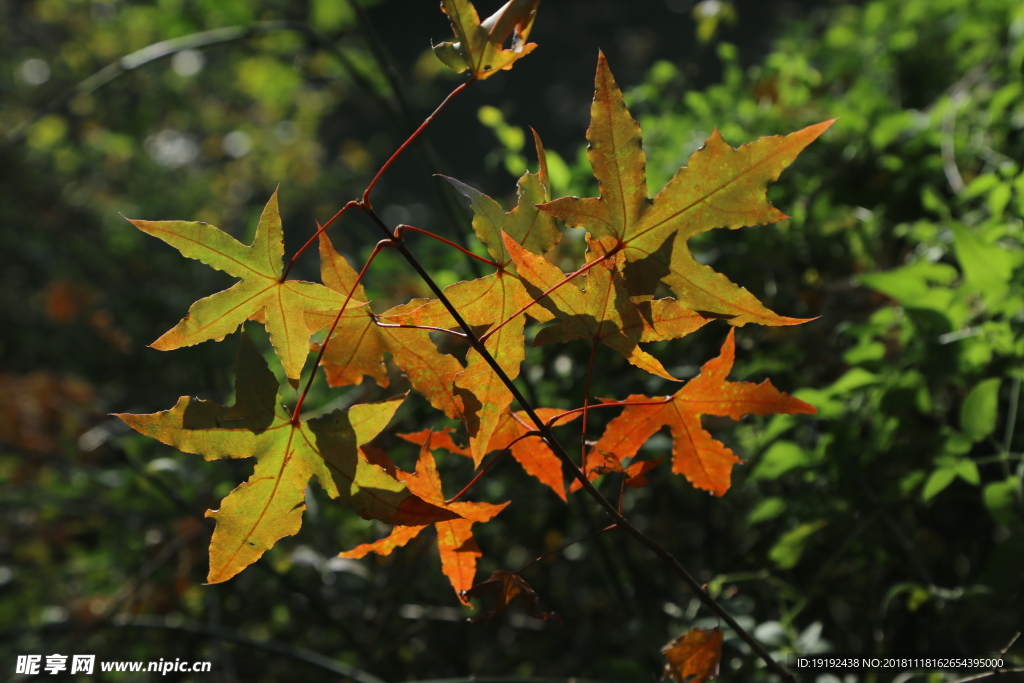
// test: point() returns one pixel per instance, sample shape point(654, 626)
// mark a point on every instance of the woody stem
point(320, 229)
point(403, 228)
point(365, 201)
point(560, 549)
point(567, 460)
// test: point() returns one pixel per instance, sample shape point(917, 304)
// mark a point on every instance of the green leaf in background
point(968, 471)
point(854, 379)
point(917, 595)
point(937, 482)
point(986, 267)
point(787, 550)
point(780, 458)
point(910, 284)
point(766, 509)
point(978, 412)
point(948, 469)
point(1000, 497)
point(331, 15)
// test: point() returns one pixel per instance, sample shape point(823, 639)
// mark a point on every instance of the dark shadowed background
point(891, 522)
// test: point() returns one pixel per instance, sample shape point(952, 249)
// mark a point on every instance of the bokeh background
point(890, 522)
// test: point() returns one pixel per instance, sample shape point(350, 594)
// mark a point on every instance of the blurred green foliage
point(892, 521)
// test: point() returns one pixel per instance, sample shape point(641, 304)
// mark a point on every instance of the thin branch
point(420, 327)
point(567, 460)
point(168, 48)
point(496, 458)
point(323, 347)
point(319, 229)
point(427, 154)
point(403, 228)
point(365, 201)
point(586, 404)
point(560, 549)
point(615, 404)
point(948, 130)
point(989, 674)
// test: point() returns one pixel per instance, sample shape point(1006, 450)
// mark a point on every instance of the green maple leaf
point(261, 295)
point(288, 454)
point(722, 187)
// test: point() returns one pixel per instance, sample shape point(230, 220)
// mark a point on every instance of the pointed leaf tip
point(260, 294)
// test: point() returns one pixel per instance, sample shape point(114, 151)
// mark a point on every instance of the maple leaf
point(694, 656)
point(525, 224)
point(603, 313)
point(721, 187)
point(269, 505)
point(493, 298)
point(459, 550)
point(261, 295)
point(358, 344)
point(506, 587)
point(479, 48)
point(533, 454)
point(705, 462)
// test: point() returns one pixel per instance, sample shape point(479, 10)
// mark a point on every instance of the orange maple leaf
point(597, 307)
point(705, 462)
point(535, 456)
point(459, 550)
point(694, 656)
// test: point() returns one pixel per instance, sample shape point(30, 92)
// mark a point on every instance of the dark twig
point(564, 546)
point(496, 458)
point(567, 461)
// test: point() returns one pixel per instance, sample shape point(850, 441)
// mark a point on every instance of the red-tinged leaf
point(399, 536)
point(479, 48)
point(459, 550)
point(694, 656)
point(721, 187)
point(357, 347)
point(532, 453)
point(261, 295)
point(441, 439)
point(706, 463)
point(535, 456)
point(506, 587)
point(636, 473)
point(269, 505)
point(603, 313)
